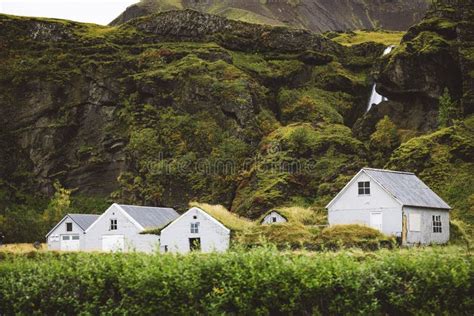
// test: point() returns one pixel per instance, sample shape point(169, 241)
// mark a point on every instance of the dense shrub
point(263, 281)
point(347, 236)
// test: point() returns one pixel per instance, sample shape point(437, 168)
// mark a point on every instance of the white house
point(121, 228)
point(195, 230)
point(274, 217)
point(394, 202)
point(69, 233)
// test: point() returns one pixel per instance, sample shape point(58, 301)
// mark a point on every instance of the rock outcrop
point(315, 15)
point(434, 55)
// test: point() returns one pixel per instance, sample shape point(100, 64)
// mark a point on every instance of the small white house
point(121, 228)
point(394, 202)
point(69, 233)
point(274, 217)
point(195, 230)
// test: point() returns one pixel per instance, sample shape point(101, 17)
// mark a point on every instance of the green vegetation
point(359, 37)
point(296, 154)
point(262, 281)
point(348, 236)
point(232, 221)
point(447, 110)
point(383, 141)
point(444, 160)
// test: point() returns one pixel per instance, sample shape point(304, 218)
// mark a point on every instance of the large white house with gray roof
point(394, 202)
point(69, 233)
point(122, 227)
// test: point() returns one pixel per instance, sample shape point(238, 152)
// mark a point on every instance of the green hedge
point(262, 281)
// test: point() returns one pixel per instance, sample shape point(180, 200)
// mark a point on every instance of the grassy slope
point(359, 37)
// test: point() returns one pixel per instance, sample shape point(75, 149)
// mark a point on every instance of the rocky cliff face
point(139, 110)
point(317, 16)
point(183, 106)
point(435, 54)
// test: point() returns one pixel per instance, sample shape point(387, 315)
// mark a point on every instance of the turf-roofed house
point(124, 228)
point(394, 202)
point(69, 233)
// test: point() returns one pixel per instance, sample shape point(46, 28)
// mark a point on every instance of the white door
point(113, 243)
point(376, 220)
point(70, 243)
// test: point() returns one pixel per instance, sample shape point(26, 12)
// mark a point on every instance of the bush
point(348, 236)
point(259, 282)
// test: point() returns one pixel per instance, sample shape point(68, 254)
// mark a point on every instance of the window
point(437, 224)
point(194, 228)
point(69, 227)
point(75, 237)
point(364, 188)
point(195, 217)
point(65, 237)
point(113, 224)
point(274, 219)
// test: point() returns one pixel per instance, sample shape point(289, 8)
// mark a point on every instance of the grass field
point(21, 248)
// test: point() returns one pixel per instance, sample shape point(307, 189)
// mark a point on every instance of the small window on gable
point(364, 188)
point(194, 228)
point(274, 219)
point(195, 217)
point(113, 224)
point(437, 226)
point(69, 227)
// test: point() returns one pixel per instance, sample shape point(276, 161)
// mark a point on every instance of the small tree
point(58, 207)
point(447, 111)
point(385, 138)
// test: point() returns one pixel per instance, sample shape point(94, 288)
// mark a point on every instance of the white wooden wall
point(214, 237)
point(269, 219)
point(134, 241)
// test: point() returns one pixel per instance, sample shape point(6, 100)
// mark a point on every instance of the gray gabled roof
point(84, 220)
point(150, 217)
point(407, 188)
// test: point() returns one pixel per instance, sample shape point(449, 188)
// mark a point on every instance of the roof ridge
point(142, 206)
point(386, 170)
point(83, 214)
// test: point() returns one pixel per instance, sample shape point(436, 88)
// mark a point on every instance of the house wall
point(214, 237)
point(269, 218)
point(352, 208)
point(54, 239)
point(134, 241)
point(426, 235)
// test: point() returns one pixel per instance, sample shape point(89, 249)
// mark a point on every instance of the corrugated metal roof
point(151, 217)
point(407, 188)
point(84, 220)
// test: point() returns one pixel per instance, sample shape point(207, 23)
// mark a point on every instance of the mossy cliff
point(184, 106)
point(173, 107)
point(434, 55)
point(315, 15)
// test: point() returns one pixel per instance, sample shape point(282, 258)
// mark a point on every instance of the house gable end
point(353, 181)
point(62, 221)
point(212, 219)
point(117, 208)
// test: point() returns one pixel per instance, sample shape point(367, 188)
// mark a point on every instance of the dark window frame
point(363, 187)
point(69, 227)
point(437, 224)
point(113, 224)
point(195, 228)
